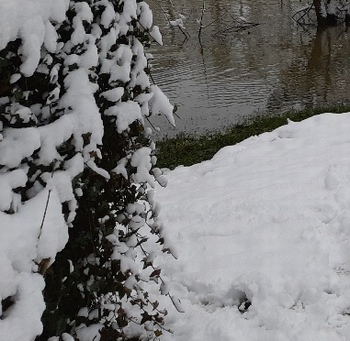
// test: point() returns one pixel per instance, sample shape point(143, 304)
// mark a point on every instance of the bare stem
point(201, 21)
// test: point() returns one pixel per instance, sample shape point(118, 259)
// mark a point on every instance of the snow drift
point(262, 233)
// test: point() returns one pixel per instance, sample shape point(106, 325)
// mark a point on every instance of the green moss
point(188, 150)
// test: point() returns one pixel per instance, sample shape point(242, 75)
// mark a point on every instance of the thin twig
point(201, 21)
point(152, 125)
point(44, 263)
point(163, 11)
point(305, 12)
point(184, 32)
point(238, 28)
point(160, 277)
point(214, 21)
point(45, 212)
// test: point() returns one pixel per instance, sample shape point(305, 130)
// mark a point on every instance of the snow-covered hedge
point(76, 165)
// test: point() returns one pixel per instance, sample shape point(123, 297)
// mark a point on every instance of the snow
point(261, 232)
point(25, 237)
point(127, 113)
point(28, 21)
point(86, 116)
point(160, 104)
point(265, 222)
point(145, 15)
point(156, 35)
point(141, 161)
point(108, 15)
point(119, 67)
point(83, 14)
point(113, 95)
point(18, 144)
point(36, 170)
point(8, 182)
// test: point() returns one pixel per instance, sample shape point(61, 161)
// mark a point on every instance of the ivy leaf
point(155, 273)
point(145, 317)
point(158, 333)
point(109, 334)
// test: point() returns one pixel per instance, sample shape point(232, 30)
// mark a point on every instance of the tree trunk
point(323, 21)
point(347, 19)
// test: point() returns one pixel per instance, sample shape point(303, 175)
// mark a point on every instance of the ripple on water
point(271, 67)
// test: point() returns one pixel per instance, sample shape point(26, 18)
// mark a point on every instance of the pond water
point(227, 76)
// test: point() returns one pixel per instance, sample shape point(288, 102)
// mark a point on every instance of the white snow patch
point(160, 104)
point(28, 21)
point(262, 235)
point(23, 241)
point(126, 113)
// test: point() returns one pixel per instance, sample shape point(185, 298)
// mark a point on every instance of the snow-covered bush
point(76, 168)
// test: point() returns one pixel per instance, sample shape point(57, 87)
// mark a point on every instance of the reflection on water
point(271, 67)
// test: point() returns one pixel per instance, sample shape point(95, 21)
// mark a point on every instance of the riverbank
point(188, 150)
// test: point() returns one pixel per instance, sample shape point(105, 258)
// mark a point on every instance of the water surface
point(227, 75)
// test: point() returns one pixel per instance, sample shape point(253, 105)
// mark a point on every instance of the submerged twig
point(305, 16)
point(214, 21)
point(237, 28)
point(171, 23)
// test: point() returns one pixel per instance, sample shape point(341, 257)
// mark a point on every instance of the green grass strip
point(188, 150)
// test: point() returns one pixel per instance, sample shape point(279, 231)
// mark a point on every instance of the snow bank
point(263, 236)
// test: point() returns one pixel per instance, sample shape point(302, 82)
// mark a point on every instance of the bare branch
point(201, 21)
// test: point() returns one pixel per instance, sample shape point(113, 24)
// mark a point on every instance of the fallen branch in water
point(237, 28)
point(305, 16)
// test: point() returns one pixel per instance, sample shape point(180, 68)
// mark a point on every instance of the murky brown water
point(272, 67)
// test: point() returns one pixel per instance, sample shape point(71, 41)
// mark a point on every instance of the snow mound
point(263, 236)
